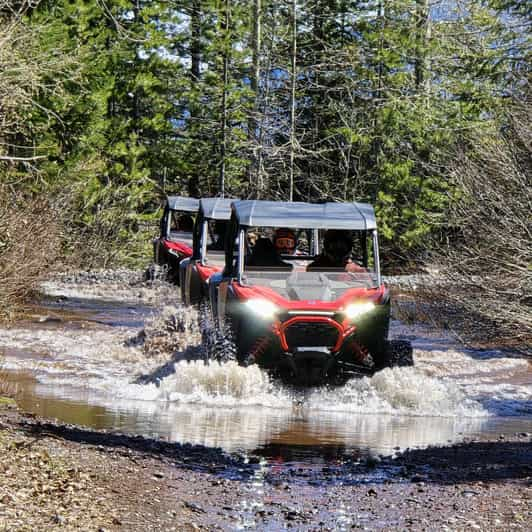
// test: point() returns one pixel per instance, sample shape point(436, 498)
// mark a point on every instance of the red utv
point(301, 315)
point(208, 249)
point(175, 240)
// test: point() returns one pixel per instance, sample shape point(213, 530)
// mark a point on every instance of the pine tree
point(328, 99)
point(113, 132)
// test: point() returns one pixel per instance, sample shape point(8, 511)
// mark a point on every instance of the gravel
point(64, 477)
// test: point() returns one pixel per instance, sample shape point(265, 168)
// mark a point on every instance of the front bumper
point(312, 348)
point(307, 331)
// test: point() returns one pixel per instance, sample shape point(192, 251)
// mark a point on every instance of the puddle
point(86, 367)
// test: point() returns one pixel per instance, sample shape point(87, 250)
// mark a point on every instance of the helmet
point(284, 240)
point(337, 245)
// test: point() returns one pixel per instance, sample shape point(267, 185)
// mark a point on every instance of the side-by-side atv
point(305, 314)
point(208, 249)
point(174, 242)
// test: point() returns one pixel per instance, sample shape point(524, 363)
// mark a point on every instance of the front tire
point(399, 353)
point(218, 344)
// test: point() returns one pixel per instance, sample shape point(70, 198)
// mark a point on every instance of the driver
point(185, 223)
point(337, 246)
point(219, 234)
point(285, 241)
point(267, 253)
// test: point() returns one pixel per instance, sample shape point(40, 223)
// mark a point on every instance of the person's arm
point(353, 267)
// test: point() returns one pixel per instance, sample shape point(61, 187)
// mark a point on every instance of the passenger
point(337, 246)
point(265, 254)
point(219, 232)
point(185, 223)
point(251, 239)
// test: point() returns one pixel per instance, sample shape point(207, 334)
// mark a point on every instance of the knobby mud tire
point(399, 354)
point(218, 343)
point(156, 272)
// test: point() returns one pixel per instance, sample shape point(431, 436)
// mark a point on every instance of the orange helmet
point(284, 240)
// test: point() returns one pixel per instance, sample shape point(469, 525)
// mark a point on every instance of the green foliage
point(149, 96)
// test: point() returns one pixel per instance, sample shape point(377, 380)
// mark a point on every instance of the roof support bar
point(241, 254)
point(204, 235)
point(376, 256)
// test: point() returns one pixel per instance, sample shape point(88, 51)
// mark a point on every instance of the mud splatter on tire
point(218, 343)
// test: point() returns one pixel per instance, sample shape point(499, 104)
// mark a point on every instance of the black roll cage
point(234, 229)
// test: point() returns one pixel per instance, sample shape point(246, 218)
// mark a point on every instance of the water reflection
point(80, 369)
point(250, 429)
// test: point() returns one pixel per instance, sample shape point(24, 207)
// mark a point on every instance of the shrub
point(30, 241)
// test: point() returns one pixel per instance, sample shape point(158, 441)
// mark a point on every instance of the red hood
point(181, 248)
point(205, 271)
point(366, 294)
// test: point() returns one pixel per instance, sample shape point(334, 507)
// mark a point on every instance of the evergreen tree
point(327, 99)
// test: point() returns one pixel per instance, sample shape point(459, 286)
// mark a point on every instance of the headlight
point(262, 307)
point(357, 309)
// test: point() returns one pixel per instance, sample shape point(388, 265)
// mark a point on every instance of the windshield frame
point(242, 239)
point(203, 246)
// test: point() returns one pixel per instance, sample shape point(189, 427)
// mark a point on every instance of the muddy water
point(78, 358)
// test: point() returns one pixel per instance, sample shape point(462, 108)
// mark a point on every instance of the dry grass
point(486, 261)
point(8, 389)
point(30, 243)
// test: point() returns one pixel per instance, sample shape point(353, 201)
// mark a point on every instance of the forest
point(419, 107)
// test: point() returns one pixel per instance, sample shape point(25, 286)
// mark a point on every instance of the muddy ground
point(65, 477)
point(60, 477)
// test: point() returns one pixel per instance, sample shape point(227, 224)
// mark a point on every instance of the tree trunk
point(225, 81)
point(136, 98)
point(253, 137)
point(293, 99)
point(423, 27)
point(195, 78)
point(195, 40)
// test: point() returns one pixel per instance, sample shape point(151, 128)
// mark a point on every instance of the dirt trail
point(57, 477)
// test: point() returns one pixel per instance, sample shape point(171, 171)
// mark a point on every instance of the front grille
point(311, 334)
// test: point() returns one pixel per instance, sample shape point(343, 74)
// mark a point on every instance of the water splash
point(157, 378)
point(167, 364)
point(223, 384)
point(172, 330)
point(404, 391)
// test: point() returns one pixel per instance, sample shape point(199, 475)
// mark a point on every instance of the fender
point(177, 247)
